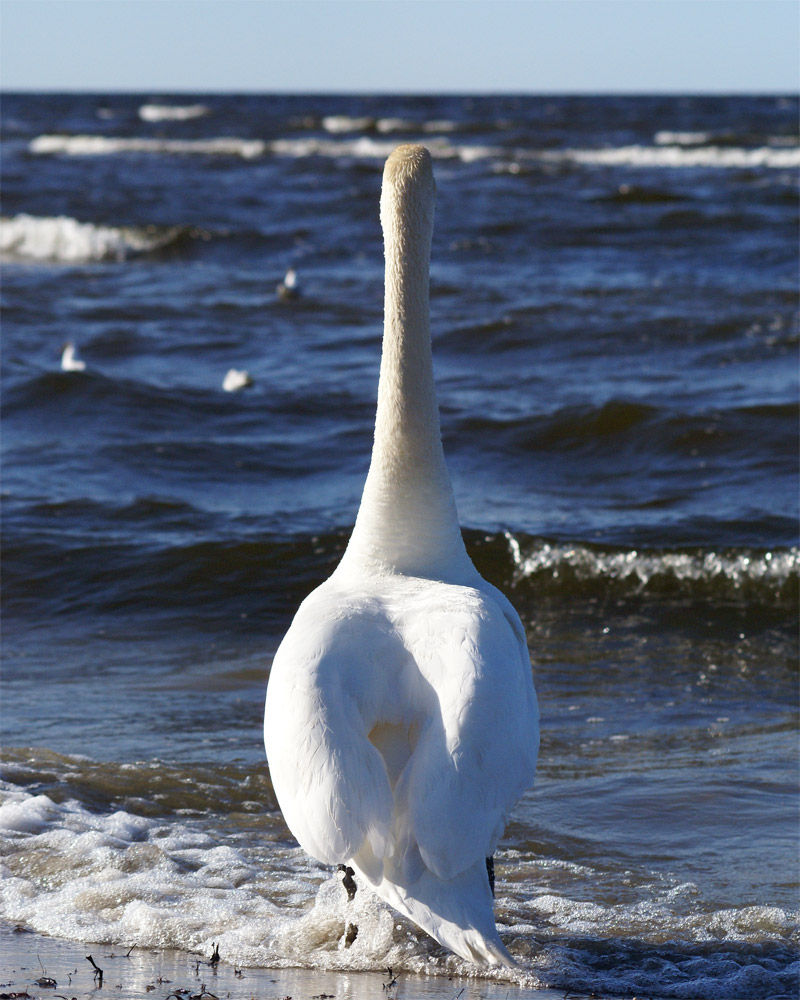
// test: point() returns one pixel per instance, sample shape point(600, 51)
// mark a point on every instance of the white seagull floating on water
point(235, 379)
point(69, 360)
point(289, 288)
point(401, 723)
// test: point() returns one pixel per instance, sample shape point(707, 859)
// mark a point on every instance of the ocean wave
point(216, 578)
point(344, 123)
point(743, 574)
point(667, 138)
point(111, 871)
point(338, 124)
point(151, 788)
point(101, 145)
point(60, 238)
point(172, 112)
point(367, 147)
point(680, 156)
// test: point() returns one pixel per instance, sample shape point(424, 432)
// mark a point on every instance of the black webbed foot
point(348, 881)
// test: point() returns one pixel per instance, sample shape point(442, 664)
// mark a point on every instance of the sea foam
point(640, 571)
point(60, 238)
point(174, 882)
point(171, 112)
point(677, 154)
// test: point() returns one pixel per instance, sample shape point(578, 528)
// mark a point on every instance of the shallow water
point(614, 306)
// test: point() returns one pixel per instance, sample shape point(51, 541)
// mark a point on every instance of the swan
point(288, 288)
point(235, 379)
point(401, 723)
point(70, 362)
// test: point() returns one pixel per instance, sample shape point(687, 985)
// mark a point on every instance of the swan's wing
point(330, 781)
point(470, 769)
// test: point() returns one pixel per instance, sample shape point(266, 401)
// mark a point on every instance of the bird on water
point(70, 362)
point(401, 723)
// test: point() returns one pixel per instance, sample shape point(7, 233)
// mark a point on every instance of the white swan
point(401, 723)
point(69, 359)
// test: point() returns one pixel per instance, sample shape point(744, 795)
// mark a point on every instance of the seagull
point(401, 723)
point(288, 288)
point(236, 379)
point(69, 361)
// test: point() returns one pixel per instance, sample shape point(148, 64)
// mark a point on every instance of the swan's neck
point(407, 522)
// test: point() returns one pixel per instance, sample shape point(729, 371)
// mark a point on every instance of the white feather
point(401, 723)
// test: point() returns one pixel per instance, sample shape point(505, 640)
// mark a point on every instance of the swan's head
point(409, 191)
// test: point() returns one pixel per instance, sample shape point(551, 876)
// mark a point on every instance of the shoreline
point(38, 966)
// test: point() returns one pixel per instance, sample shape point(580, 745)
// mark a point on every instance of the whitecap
point(61, 238)
point(735, 569)
point(677, 156)
point(101, 145)
point(667, 138)
point(344, 123)
point(171, 112)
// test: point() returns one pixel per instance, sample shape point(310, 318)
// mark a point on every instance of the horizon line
point(283, 92)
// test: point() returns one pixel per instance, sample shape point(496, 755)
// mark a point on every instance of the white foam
point(126, 879)
point(386, 125)
point(101, 145)
point(61, 238)
point(366, 147)
point(666, 138)
point(677, 156)
point(342, 123)
point(171, 112)
point(639, 568)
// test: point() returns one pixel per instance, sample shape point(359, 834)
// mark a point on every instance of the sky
point(401, 46)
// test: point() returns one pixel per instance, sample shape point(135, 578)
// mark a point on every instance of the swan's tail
point(458, 912)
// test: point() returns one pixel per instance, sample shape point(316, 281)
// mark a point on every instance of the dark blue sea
point(615, 324)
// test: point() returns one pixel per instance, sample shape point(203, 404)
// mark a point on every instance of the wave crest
point(61, 238)
point(172, 112)
point(741, 574)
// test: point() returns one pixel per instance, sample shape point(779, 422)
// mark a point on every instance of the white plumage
point(70, 362)
point(401, 723)
point(236, 379)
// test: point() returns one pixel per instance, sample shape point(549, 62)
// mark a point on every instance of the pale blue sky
point(415, 46)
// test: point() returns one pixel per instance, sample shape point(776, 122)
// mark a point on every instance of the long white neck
point(407, 522)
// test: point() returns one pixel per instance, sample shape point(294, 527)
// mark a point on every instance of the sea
point(614, 299)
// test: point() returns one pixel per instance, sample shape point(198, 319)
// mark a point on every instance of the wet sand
point(40, 967)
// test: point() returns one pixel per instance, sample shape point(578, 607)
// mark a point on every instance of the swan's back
point(401, 723)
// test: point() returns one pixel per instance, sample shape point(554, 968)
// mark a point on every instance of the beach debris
point(98, 972)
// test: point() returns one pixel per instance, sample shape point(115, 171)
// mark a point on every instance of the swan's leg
point(348, 881)
point(490, 873)
point(351, 930)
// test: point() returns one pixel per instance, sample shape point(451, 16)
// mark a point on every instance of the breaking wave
point(668, 156)
point(60, 238)
point(172, 112)
point(89, 857)
point(744, 574)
